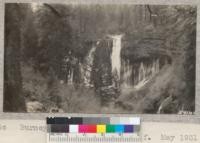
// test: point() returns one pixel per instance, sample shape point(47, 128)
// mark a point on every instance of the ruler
point(93, 138)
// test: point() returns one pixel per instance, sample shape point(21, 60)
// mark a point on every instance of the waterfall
point(165, 104)
point(70, 77)
point(116, 55)
point(137, 74)
point(110, 69)
point(67, 70)
point(87, 67)
point(127, 72)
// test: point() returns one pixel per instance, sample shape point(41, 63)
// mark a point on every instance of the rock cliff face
point(137, 73)
point(109, 67)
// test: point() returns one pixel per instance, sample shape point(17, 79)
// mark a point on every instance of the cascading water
point(70, 77)
point(87, 67)
point(117, 72)
point(116, 55)
point(137, 74)
point(127, 68)
point(67, 69)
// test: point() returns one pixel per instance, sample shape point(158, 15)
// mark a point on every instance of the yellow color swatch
point(101, 128)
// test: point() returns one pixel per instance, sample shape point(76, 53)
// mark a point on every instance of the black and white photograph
point(99, 58)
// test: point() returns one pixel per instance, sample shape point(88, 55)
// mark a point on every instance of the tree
point(13, 95)
point(55, 38)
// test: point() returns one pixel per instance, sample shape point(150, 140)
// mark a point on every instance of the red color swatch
point(87, 129)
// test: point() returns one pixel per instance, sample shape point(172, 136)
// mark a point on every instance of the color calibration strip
point(59, 128)
point(91, 125)
point(94, 120)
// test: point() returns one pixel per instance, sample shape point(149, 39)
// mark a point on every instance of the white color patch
point(73, 128)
